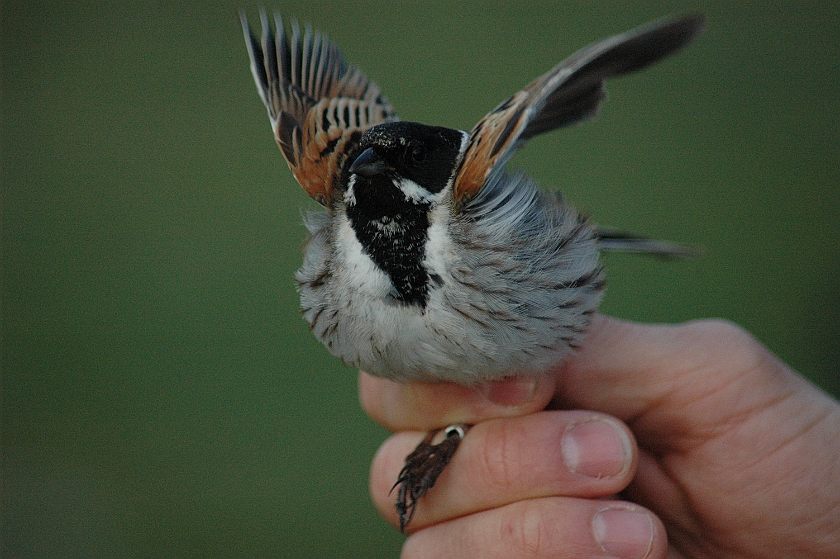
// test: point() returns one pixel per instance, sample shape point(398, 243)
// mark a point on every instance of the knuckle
point(716, 329)
point(717, 338)
point(502, 454)
point(531, 528)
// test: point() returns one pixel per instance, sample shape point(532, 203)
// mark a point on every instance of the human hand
point(736, 454)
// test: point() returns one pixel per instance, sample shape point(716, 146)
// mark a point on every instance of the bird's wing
point(318, 104)
point(569, 93)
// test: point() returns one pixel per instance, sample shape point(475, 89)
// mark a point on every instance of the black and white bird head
point(404, 163)
point(403, 171)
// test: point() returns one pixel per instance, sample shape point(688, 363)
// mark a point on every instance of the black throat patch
point(393, 232)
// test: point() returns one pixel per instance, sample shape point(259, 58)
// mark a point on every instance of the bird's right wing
point(318, 105)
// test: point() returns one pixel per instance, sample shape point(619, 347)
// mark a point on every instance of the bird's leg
point(422, 468)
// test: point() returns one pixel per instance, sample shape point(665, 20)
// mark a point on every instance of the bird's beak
point(368, 164)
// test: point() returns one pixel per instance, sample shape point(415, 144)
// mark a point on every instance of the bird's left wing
point(318, 104)
point(568, 93)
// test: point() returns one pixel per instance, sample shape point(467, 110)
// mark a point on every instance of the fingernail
point(597, 448)
point(623, 531)
point(510, 392)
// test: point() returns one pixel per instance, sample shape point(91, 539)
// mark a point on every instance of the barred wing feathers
point(318, 104)
point(570, 92)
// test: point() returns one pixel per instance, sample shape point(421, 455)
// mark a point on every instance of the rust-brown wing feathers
point(568, 93)
point(318, 104)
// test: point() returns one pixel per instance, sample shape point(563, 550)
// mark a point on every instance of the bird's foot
point(422, 468)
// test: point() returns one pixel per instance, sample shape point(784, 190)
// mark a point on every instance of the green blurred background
point(160, 395)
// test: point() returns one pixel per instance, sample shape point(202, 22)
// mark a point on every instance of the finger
point(569, 453)
point(547, 527)
point(427, 405)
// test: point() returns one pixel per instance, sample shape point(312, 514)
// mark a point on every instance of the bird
point(430, 260)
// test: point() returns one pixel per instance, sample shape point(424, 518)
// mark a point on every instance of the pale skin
point(696, 442)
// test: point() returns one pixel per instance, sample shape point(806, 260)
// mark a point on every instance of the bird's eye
point(418, 154)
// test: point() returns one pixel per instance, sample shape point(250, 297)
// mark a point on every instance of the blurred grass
point(160, 395)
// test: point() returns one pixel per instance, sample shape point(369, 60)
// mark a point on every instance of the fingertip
point(599, 446)
point(385, 470)
point(626, 530)
point(382, 469)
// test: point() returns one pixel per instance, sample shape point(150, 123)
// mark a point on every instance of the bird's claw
point(422, 468)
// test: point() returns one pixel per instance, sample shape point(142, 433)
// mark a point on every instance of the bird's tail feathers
point(622, 241)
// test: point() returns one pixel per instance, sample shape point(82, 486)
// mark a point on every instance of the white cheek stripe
point(350, 195)
point(438, 257)
point(416, 193)
point(465, 142)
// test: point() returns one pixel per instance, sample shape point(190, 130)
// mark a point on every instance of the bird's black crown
point(426, 155)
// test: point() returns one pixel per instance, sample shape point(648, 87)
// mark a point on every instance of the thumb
point(703, 371)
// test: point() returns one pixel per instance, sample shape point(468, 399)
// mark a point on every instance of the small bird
point(431, 262)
